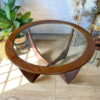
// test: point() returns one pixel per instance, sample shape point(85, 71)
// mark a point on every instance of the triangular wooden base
point(68, 76)
point(30, 76)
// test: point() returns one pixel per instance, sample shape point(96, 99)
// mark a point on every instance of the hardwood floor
point(14, 86)
point(86, 86)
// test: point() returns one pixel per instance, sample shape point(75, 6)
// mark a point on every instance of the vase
point(21, 45)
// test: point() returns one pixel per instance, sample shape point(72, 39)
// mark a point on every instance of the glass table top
point(50, 44)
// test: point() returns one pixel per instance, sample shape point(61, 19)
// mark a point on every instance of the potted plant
point(11, 19)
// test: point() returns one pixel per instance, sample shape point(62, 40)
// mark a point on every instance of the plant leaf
point(16, 24)
point(2, 13)
point(6, 33)
point(25, 16)
point(28, 21)
point(7, 11)
point(3, 20)
point(14, 13)
point(11, 3)
point(4, 23)
point(16, 7)
point(19, 15)
point(4, 26)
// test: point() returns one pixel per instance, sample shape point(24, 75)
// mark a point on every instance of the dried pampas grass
point(90, 5)
point(79, 6)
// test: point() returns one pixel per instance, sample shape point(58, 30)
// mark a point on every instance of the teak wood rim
point(50, 70)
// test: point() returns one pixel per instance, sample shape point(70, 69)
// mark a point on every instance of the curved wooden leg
point(30, 76)
point(69, 76)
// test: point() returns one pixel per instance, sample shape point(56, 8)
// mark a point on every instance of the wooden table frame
point(67, 71)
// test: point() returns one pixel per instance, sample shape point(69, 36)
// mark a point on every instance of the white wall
point(50, 9)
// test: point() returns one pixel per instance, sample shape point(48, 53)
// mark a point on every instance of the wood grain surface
point(50, 70)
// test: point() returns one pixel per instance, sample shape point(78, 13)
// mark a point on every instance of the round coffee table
point(60, 47)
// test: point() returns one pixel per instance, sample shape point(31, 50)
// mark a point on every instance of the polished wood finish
point(30, 76)
point(67, 71)
point(50, 70)
point(69, 76)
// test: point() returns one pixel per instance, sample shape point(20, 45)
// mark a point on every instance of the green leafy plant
point(11, 18)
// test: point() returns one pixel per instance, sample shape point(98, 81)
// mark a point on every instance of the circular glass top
point(49, 47)
point(49, 44)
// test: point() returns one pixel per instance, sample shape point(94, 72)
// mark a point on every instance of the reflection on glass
point(50, 44)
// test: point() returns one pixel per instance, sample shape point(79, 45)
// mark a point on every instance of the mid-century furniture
point(68, 57)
